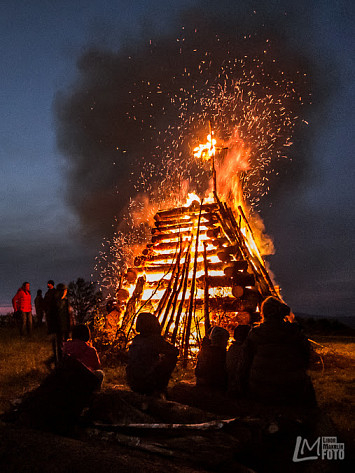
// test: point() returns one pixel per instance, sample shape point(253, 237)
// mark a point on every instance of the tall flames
point(204, 264)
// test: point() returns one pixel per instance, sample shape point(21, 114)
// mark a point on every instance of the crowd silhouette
point(266, 362)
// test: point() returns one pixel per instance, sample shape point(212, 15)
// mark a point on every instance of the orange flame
point(207, 150)
point(191, 197)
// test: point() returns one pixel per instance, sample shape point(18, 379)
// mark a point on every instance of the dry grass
point(333, 374)
point(22, 363)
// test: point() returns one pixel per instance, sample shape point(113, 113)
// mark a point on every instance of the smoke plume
point(128, 125)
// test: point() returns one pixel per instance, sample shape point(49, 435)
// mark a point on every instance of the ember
point(202, 267)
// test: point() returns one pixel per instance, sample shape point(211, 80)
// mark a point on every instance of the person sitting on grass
point(57, 404)
point(151, 358)
point(211, 371)
point(275, 359)
point(80, 348)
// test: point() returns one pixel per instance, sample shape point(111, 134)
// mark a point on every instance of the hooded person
point(151, 358)
point(211, 371)
point(275, 359)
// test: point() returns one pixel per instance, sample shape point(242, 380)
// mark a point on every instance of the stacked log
point(197, 264)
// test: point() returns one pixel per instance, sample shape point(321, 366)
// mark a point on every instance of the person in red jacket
point(23, 308)
point(80, 348)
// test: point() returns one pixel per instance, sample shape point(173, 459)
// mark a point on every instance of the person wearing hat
point(275, 359)
point(151, 358)
point(211, 371)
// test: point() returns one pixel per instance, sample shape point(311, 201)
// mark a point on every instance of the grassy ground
point(21, 363)
point(333, 376)
point(22, 368)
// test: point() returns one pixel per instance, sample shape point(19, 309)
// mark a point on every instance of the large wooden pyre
point(202, 267)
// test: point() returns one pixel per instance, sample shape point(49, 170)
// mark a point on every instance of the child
point(56, 405)
point(211, 370)
point(81, 350)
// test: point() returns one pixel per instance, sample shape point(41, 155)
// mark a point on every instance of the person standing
point(52, 306)
point(22, 305)
point(62, 319)
point(39, 305)
point(49, 306)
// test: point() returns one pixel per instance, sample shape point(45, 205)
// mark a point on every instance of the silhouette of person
point(151, 358)
point(211, 371)
point(49, 306)
point(275, 359)
point(39, 306)
point(80, 348)
point(62, 318)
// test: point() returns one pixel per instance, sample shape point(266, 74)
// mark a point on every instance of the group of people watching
point(266, 363)
point(58, 402)
point(22, 306)
point(55, 308)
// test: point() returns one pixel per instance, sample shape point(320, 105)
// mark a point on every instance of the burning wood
point(206, 288)
point(185, 212)
point(186, 340)
point(202, 266)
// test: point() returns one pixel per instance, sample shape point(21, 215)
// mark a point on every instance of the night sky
point(58, 188)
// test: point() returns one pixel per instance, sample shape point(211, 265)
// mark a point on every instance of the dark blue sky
point(312, 224)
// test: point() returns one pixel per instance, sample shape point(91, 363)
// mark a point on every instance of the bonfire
point(204, 264)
